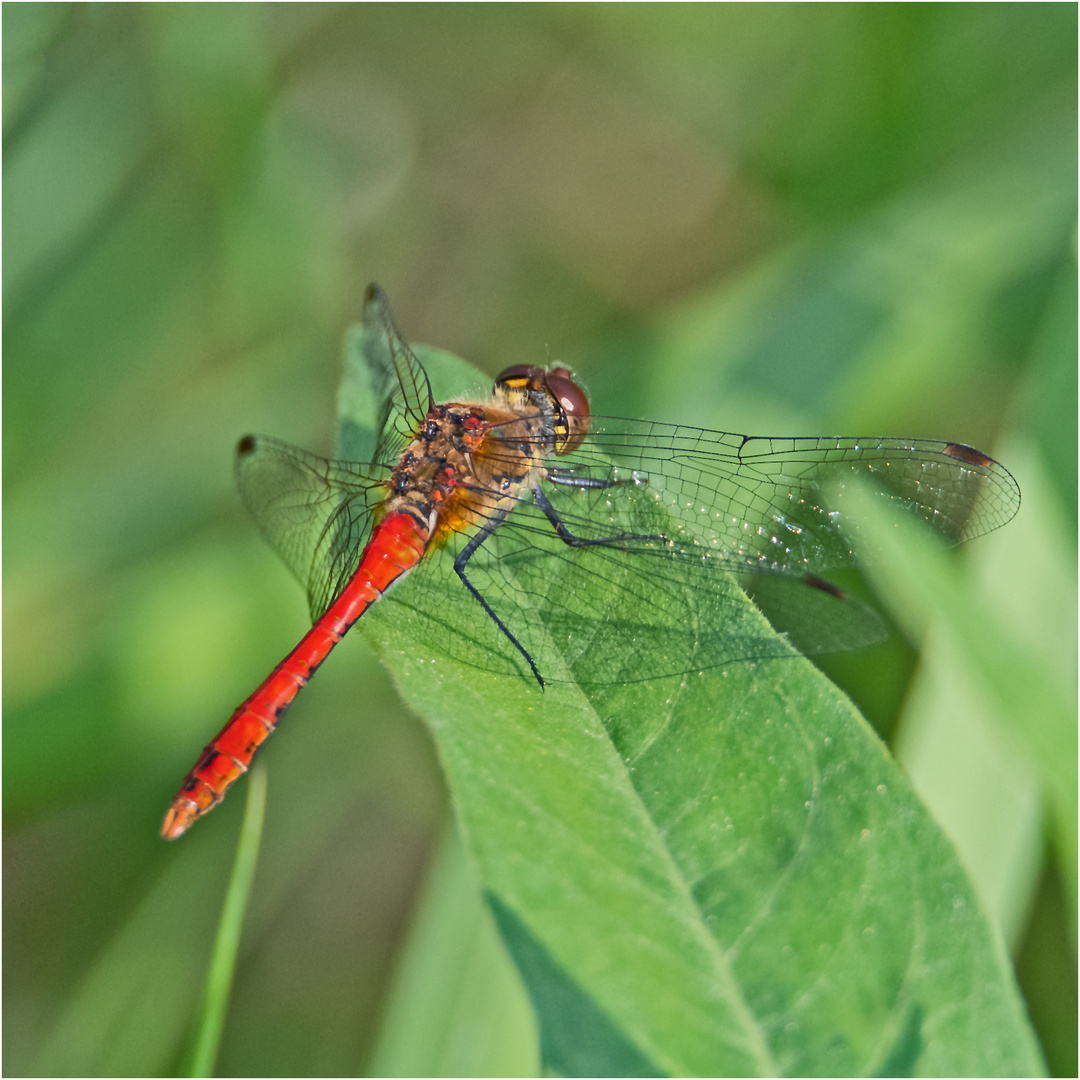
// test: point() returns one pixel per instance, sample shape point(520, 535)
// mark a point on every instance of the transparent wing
point(609, 615)
point(315, 513)
point(399, 380)
point(767, 504)
point(674, 520)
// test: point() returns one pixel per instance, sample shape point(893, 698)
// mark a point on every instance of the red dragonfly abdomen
point(397, 544)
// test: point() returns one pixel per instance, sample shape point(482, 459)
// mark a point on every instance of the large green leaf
point(723, 873)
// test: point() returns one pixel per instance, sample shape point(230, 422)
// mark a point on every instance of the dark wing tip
point(816, 582)
point(375, 304)
point(963, 452)
point(245, 446)
point(1006, 491)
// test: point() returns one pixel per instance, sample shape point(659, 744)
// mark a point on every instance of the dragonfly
point(525, 523)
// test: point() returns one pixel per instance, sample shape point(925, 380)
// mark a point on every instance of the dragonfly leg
point(567, 537)
point(460, 564)
point(568, 479)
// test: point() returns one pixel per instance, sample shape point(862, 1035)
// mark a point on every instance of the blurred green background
point(834, 218)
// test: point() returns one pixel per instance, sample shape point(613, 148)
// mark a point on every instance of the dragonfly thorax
point(437, 461)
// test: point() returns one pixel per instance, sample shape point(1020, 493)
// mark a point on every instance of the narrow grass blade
point(223, 963)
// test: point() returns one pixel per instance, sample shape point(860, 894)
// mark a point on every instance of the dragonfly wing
point(399, 380)
point(776, 504)
point(958, 491)
point(315, 513)
point(683, 513)
point(610, 614)
point(617, 615)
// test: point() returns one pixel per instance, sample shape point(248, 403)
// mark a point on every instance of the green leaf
point(723, 873)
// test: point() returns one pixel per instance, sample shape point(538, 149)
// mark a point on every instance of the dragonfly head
point(566, 397)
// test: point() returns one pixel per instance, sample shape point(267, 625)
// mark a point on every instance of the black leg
point(462, 561)
point(569, 538)
point(568, 479)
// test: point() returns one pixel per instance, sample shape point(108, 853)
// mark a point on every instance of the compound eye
point(567, 392)
point(521, 376)
point(574, 407)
